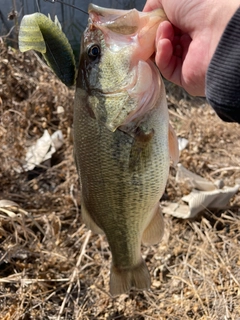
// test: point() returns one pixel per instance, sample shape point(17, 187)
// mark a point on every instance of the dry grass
point(51, 267)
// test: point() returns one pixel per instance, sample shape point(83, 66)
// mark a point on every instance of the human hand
point(186, 43)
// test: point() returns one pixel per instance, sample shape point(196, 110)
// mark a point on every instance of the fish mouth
point(125, 22)
point(128, 25)
point(118, 21)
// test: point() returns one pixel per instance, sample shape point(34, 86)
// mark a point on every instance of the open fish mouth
point(118, 21)
point(127, 26)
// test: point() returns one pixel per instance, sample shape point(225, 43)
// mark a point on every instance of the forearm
point(223, 75)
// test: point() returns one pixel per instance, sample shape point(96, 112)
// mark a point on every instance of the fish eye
point(94, 51)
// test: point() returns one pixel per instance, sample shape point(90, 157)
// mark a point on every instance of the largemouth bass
point(122, 139)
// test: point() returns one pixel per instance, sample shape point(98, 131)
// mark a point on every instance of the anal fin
point(154, 232)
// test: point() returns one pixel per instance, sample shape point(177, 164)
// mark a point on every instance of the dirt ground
point(52, 267)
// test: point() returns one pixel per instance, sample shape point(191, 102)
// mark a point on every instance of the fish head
point(115, 67)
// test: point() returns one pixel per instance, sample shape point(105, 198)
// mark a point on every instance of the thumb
point(152, 5)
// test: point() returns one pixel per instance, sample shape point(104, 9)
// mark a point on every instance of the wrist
point(220, 19)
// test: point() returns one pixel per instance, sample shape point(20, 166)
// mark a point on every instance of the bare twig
point(75, 271)
point(224, 169)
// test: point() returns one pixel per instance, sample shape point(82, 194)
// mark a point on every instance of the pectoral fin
point(173, 145)
point(154, 232)
point(141, 141)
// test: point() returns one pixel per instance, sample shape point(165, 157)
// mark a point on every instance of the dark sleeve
point(223, 74)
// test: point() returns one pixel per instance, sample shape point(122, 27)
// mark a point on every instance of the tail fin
point(122, 280)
